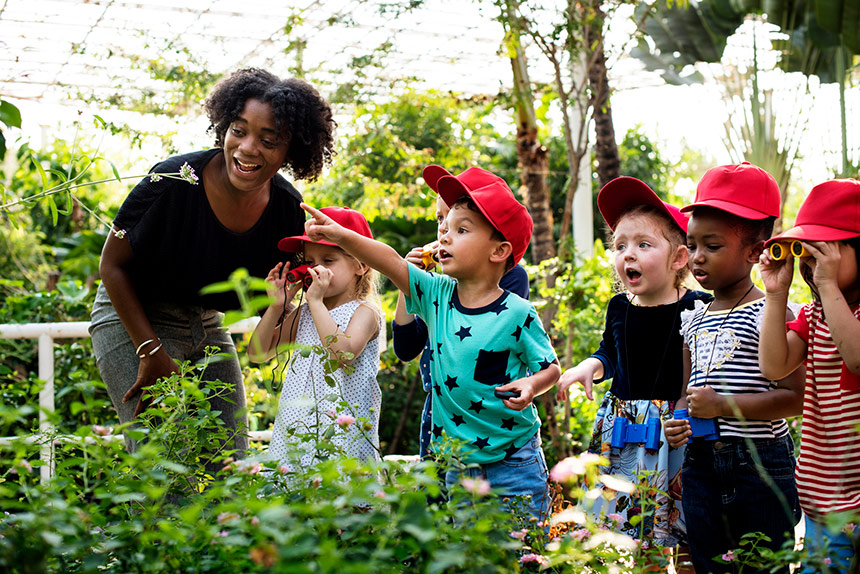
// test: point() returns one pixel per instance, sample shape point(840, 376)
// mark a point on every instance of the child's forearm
point(401, 316)
point(342, 346)
point(544, 380)
point(773, 342)
point(844, 326)
point(263, 339)
point(377, 255)
point(767, 406)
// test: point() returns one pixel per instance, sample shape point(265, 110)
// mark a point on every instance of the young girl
point(409, 332)
point(641, 353)
point(342, 314)
point(739, 478)
point(826, 336)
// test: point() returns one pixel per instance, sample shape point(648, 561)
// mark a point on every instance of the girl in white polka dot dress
point(341, 313)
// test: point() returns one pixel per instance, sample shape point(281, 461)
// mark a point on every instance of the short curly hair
point(300, 112)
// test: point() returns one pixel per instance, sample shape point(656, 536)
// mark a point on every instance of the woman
point(172, 237)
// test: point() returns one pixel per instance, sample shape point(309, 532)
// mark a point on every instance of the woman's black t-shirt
point(180, 246)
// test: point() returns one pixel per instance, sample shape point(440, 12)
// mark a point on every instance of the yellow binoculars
point(429, 259)
point(781, 249)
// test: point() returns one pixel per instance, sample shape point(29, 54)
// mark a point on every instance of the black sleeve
point(409, 340)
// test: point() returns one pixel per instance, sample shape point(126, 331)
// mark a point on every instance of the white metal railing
point(46, 333)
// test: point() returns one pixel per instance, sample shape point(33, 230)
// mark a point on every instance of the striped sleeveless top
point(724, 354)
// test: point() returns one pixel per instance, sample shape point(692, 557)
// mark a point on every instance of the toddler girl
point(641, 353)
point(341, 314)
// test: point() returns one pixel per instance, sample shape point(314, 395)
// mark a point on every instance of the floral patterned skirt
point(657, 473)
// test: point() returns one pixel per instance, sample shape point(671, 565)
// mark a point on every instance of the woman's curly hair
point(301, 114)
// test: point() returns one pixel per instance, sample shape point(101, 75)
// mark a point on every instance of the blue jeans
point(727, 493)
point(820, 543)
point(522, 475)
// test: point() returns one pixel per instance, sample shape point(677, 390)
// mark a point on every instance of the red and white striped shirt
point(828, 471)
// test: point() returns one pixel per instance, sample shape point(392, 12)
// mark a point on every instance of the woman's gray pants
point(185, 333)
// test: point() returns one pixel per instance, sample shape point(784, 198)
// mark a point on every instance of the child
point(640, 351)
point(484, 339)
point(741, 482)
point(341, 313)
point(826, 336)
point(409, 332)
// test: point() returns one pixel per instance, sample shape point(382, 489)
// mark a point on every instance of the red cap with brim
point(345, 216)
point(831, 212)
point(623, 193)
point(498, 204)
point(472, 178)
point(744, 190)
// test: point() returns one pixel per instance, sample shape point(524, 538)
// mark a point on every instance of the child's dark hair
point(807, 275)
point(497, 235)
point(668, 229)
point(301, 114)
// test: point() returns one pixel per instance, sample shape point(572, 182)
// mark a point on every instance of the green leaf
point(222, 287)
point(99, 121)
point(9, 114)
point(114, 170)
point(42, 175)
point(52, 205)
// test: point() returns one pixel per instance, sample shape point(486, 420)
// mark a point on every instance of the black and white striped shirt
point(724, 354)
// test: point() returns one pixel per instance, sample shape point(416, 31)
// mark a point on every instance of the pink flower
point(379, 494)
point(573, 466)
point(827, 561)
point(534, 558)
point(344, 421)
point(476, 486)
point(100, 430)
point(227, 517)
point(519, 534)
point(284, 469)
point(849, 528)
point(223, 533)
point(580, 534)
point(616, 519)
point(255, 521)
point(729, 556)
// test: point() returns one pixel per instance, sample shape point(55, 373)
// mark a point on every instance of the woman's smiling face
point(253, 150)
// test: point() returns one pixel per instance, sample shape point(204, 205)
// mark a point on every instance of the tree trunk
point(605, 148)
point(531, 155)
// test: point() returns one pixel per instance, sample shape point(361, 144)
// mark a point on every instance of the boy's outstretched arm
point(369, 251)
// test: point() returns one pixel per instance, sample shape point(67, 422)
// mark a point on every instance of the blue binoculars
point(705, 428)
point(624, 432)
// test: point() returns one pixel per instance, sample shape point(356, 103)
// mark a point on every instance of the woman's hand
point(677, 432)
point(776, 275)
point(704, 402)
point(150, 369)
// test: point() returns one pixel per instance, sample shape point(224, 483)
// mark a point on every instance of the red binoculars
point(300, 275)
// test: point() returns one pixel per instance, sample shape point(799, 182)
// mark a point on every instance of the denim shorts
point(522, 477)
point(734, 486)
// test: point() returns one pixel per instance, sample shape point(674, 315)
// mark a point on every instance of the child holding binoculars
point(826, 338)
point(342, 314)
point(739, 477)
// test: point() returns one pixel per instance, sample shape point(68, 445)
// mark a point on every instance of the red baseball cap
point(472, 178)
point(496, 202)
point(830, 212)
point(345, 216)
point(744, 190)
point(623, 193)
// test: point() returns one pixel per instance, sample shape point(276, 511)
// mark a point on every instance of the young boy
point(409, 335)
point(743, 480)
point(485, 340)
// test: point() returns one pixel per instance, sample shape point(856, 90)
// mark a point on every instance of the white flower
point(186, 172)
point(155, 178)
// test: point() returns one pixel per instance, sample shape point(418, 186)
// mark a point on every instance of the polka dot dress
point(304, 412)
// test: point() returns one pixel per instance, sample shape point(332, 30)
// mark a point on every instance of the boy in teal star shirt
point(483, 338)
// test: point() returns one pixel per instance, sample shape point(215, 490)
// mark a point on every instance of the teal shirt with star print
point(473, 352)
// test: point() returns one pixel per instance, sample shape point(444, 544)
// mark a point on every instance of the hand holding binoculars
point(300, 275)
point(429, 258)
point(781, 249)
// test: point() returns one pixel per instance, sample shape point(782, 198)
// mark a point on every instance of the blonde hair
point(668, 229)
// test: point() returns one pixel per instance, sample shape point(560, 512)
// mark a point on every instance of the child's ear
point(680, 258)
point(755, 250)
point(501, 252)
